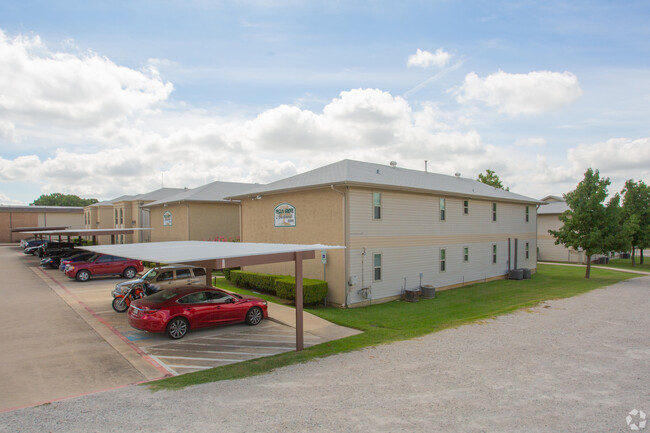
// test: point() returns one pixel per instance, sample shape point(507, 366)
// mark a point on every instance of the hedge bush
point(282, 286)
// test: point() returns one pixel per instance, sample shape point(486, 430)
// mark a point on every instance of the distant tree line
point(58, 199)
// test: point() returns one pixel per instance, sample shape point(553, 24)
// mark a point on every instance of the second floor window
point(121, 216)
point(494, 211)
point(376, 205)
point(115, 216)
point(527, 214)
point(465, 207)
point(442, 209)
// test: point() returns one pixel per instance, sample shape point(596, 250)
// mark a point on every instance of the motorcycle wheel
point(120, 304)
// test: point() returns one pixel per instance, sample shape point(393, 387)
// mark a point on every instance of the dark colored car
point(31, 242)
point(79, 257)
point(176, 311)
point(54, 248)
point(103, 264)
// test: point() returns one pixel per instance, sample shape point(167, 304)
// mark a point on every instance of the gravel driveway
point(578, 364)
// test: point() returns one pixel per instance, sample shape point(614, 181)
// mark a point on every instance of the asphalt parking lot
point(106, 351)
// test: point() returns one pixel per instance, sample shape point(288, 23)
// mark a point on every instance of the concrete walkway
point(311, 324)
point(607, 268)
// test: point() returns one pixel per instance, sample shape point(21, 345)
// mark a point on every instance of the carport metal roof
point(38, 229)
point(220, 255)
point(84, 232)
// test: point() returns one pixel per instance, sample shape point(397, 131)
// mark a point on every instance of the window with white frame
point(121, 216)
point(442, 209)
point(527, 250)
point(466, 254)
point(527, 213)
point(494, 211)
point(376, 267)
point(115, 216)
point(465, 207)
point(376, 205)
point(443, 259)
point(494, 253)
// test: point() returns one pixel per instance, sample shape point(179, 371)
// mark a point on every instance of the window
point(527, 214)
point(121, 216)
point(183, 273)
point(376, 267)
point(465, 207)
point(166, 276)
point(376, 205)
point(494, 253)
point(442, 209)
point(466, 254)
point(527, 250)
point(494, 211)
point(194, 298)
point(218, 297)
point(199, 272)
point(443, 259)
point(115, 216)
point(105, 259)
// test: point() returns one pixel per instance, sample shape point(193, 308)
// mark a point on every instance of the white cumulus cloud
point(532, 93)
point(85, 90)
point(426, 59)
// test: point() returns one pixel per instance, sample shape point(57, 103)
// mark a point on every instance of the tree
point(58, 199)
point(589, 225)
point(636, 213)
point(490, 178)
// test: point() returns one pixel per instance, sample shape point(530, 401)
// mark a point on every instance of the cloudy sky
point(101, 99)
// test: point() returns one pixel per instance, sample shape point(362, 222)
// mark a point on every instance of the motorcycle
point(127, 294)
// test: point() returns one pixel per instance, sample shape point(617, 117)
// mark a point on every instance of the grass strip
point(398, 320)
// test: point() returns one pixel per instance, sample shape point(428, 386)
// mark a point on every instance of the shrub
point(282, 286)
point(313, 291)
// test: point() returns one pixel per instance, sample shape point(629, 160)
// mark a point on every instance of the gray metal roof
point(357, 173)
point(211, 192)
point(553, 208)
point(52, 209)
point(197, 251)
point(148, 196)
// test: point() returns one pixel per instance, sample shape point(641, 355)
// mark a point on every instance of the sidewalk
point(311, 324)
point(607, 268)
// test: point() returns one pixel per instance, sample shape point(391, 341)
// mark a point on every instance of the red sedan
point(176, 311)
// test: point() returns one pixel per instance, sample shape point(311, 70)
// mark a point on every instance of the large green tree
point(491, 178)
point(589, 224)
point(58, 199)
point(636, 213)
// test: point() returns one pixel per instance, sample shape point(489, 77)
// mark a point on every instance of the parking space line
point(246, 346)
point(201, 359)
point(194, 367)
point(222, 351)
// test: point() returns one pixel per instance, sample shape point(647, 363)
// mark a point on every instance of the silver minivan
point(165, 277)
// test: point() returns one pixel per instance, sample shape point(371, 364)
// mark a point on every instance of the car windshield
point(150, 275)
point(161, 296)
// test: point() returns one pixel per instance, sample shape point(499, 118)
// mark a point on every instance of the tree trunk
point(588, 266)
point(641, 259)
point(633, 251)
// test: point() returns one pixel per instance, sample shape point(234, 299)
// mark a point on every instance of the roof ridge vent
point(393, 164)
point(457, 174)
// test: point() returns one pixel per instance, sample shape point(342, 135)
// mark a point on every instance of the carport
point(223, 255)
point(69, 233)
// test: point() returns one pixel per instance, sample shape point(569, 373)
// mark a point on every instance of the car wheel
point(129, 273)
point(83, 275)
point(254, 316)
point(177, 328)
point(120, 305)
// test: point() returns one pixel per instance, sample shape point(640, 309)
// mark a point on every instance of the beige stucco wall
point(214, 220)
point(319, 220)
point(178, 231)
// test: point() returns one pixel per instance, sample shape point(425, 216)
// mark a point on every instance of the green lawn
point(627, 264)
point(398, 320)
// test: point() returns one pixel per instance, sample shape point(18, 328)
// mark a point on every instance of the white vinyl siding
point(410, 235)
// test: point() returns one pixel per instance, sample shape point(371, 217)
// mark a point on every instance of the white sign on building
point(167, 219)
point(285, 215)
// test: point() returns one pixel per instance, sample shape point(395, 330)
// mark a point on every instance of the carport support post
point(208, 277)
point(299, 327)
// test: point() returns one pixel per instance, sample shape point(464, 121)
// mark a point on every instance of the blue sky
point(100, 99)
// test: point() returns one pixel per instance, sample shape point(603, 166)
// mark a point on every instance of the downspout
point(346, 229)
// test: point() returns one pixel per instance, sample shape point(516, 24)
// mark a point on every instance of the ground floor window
point(527, 250)
point(376, 267)
point(494, 253)
point(443, 259)
point(466, 254)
